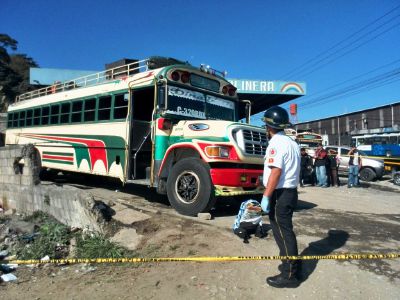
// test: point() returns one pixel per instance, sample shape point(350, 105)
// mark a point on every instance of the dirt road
point(332, 220)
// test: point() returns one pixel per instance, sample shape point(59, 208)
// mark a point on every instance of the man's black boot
point(280, 281)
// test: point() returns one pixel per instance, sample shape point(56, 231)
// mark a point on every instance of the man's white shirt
point(283, 153)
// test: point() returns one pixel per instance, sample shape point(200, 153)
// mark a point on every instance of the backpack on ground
point(249, 221)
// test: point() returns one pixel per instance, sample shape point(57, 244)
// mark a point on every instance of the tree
point(6, 42)
point(14, 72)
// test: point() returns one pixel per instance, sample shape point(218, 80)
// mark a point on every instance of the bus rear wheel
point(189, 187)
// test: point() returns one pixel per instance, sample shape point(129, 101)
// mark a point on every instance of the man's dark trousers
point(283, 202)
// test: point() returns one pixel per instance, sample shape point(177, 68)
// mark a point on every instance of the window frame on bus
point(77, 112)
point(36, 121)
point(90, 110)
point(101, 116)
point(55, 114)
point(29, 119)
point(65, 115)
point(125, 96)
point(44, 116)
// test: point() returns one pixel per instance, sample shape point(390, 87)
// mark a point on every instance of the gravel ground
point(332, 220)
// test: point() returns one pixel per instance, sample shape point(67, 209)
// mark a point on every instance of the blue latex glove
point(265, 204)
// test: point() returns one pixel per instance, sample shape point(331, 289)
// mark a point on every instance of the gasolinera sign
point(268, 87)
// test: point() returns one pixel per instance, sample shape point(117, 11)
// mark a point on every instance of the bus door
point(140, 145)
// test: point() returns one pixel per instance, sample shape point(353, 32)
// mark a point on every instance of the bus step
point(139, 181)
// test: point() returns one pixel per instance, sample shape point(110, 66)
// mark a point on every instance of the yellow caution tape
point(203, 259)
point(370, 156)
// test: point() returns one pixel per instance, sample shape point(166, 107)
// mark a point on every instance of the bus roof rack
point(119, 71)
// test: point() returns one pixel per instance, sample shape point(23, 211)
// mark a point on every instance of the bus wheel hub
point(187, 187)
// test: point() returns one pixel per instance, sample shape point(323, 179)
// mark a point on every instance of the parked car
point(396, 178)
point(372, 168)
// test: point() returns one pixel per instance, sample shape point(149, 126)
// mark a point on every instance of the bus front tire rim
point(187, 187)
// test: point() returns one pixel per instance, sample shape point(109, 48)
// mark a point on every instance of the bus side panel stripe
point(93, 148)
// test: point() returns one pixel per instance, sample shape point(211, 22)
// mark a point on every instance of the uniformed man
point(281, 177)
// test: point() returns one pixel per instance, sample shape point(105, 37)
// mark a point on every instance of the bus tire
point(367, 174)
point(189, 187)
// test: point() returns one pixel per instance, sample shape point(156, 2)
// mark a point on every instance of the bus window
point(90, 110)
point(55, 113)
point(21, 118)
point(393, 140)
point(219, 108)
point(10, 120)
point(120, 106)
point(76, 112)
point(15, 119)
point(36, 116)
point(104, 112)
point(377, 140)
point(45, 115)
point(65, 110)
point(29, 115)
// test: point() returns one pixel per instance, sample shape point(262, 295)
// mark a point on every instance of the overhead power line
point(311, 61)
point(392, 63)
point(382, 79)
point(349, 51)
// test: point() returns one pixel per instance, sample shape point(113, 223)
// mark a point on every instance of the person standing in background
point(281, 177)
point(354, 167)
point(333, 167)
point(305, 166)
point(320, 166)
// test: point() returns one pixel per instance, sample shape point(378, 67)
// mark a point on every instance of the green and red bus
point(159, 122)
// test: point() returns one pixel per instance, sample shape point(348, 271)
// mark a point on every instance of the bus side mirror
point(247, 110)
point(161, 103)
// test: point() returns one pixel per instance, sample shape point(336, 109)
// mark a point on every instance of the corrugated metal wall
point(372, 120)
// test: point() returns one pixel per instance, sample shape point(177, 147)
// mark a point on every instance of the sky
point(347, 52)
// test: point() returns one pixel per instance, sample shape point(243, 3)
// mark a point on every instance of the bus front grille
point(251, 142)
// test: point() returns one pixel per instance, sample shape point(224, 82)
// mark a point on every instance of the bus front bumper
point(233, 182)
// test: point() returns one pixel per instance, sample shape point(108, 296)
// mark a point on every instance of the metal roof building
point(340, 128)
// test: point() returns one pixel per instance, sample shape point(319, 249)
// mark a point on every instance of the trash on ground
point(8, 277)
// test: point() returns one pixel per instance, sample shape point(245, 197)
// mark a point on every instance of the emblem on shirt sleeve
point(272, 152)
point(270, 160)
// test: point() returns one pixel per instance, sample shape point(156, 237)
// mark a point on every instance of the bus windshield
point(308, 139)
point(191, 104)
point(308, 144)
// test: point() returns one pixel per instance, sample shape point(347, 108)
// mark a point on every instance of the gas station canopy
point(264, 93)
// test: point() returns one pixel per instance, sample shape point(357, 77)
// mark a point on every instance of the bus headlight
point(217, 151)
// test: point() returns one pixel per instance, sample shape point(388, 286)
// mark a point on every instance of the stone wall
point(21, 191)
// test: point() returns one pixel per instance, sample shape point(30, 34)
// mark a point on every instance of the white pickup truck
point(372, 168)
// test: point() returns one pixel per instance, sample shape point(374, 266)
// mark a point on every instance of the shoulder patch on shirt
point(272, 152)
point(271, 160)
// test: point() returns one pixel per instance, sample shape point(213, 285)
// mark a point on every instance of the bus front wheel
point(189, 187)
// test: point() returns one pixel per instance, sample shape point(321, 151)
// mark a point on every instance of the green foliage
point(97, 246)
point(52, 241)
point(14, 71)
point(6, 42)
